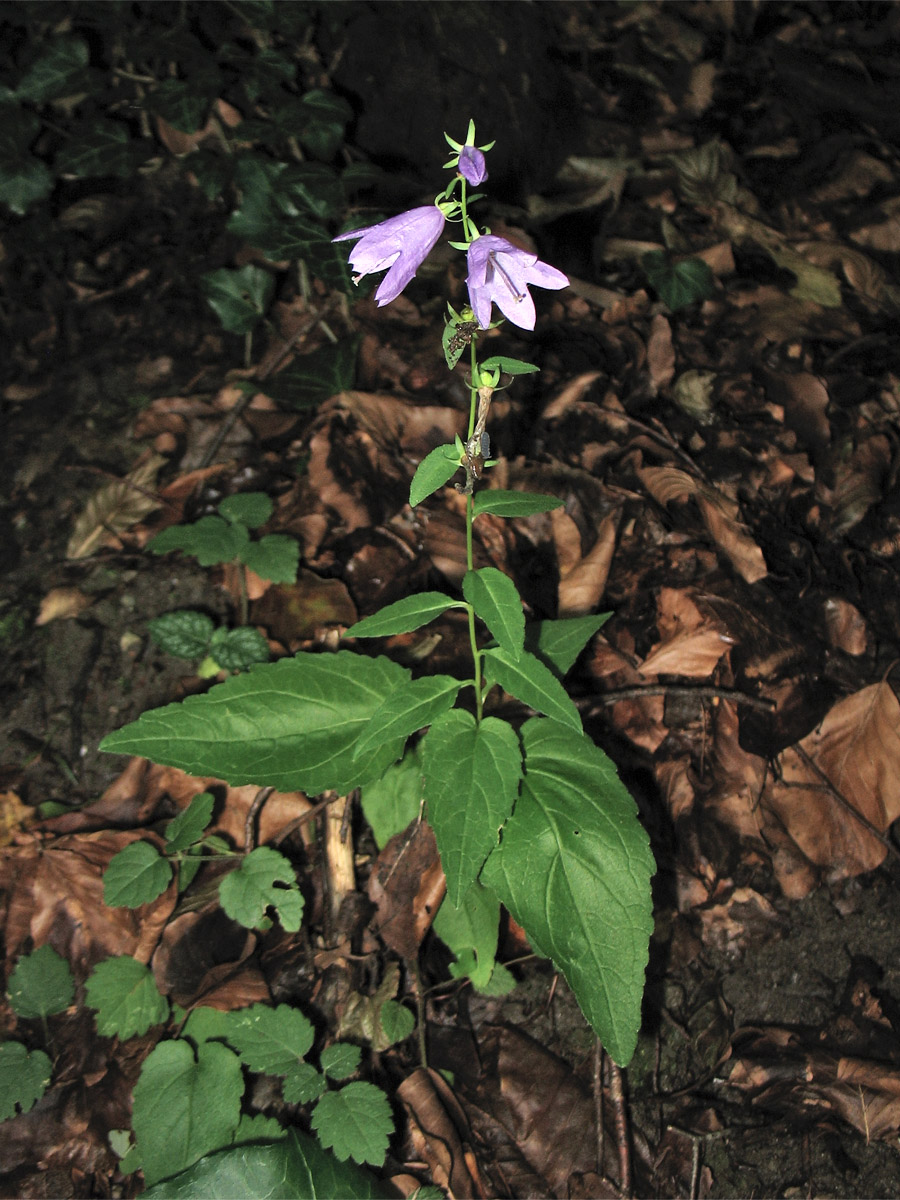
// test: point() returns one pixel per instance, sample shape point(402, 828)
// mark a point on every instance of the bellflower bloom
point(472, 165)
point(401, 243)
point(500, 273)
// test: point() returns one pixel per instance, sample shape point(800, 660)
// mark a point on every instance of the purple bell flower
point(401, 243)
point(500, 273)
point(472, 165)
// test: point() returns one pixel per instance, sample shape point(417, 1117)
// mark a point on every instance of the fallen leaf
point(62, 603)
point(116, 507)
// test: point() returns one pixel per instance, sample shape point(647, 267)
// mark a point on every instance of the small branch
point(252, 813)
point(705, 692)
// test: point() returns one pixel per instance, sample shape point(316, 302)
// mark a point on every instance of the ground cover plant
point(713, 426)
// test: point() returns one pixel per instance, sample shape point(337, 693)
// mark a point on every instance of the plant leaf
point(404, 615)
point(269, 1039)
point(184, 633)
point(41, 984)
point(510, 366)
point(436, 468)
point(574, 869)
point(408, 709)
point(294, 1166)
point(514, 504)
point(135, 876)
point(290, 725)
point(303, 1084)
point(470, 930)
point(530, 681)
point(187, 828)
point(24, 1078)
point(116, 507)
point(340, 1060)
point(355, 1122)
point(247, 508)
point(472, 777)
point(558, 643)
point(246, 893)
point(211, 540)
point(238, 296)
point(125, 996)
point(185, 1106)
point(238, 649)
point(494, 597)
point(274, 557)
point(391, 802)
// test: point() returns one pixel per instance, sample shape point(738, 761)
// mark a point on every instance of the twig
point(252, 813)
point(623, 1142)
point(598, 1104)
point(705, 692)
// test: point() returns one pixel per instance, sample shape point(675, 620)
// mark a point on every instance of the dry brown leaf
point(660, 352)
point(845, 627)
point(570, 396)
point(583, 585)
point(439, 1133)
point(116, 507)
point(62, 603)
point(857, 750)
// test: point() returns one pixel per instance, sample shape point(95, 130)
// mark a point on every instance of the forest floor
point(729, 469)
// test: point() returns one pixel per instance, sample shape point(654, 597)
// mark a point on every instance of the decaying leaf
point(116, 507)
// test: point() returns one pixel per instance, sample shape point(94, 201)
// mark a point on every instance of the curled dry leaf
point(689, 644)
point(62, 603)
point(438, 1133)
point(583, 585)
point(116, 507)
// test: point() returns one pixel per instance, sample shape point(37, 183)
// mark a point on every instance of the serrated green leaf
point(472, 777)
point(303, 1084)
point(258, 1129)
point(494, 597)
point(274, 557)
point(184, 633)
point(125, 996)
point(294, 1166)
point(404, 615)
point(514, 504)
point(340, 1060)
point(211, 540)
point(135, 876)
point(246, 893)
point(574, 869)
point(41, 984)
point(206, 1024)
point(407, 710)
point(185, 1106)
point(397, 1022)
point(247, 508)
point(355, 1123)
point(239, 297)
point(272, 1040)
point(391, 802)
point(471, 926)
point(60, 71)
point(558, 643)
point(435, 469)
point(187, 828)
point(530, 681)
point(238, 649)
point(290, 725)
point(24, 1078)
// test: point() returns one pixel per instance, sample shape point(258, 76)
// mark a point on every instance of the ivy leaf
point(295, 1165)
point(678, 284)
point(494, 597)
point(290, 725)
point(355, 1123)
point(574, 869)
point(408, 709)
point(60, 71)
point(185, 1106)
point(125, 996)
point(246, 893)
point(24, 1078)
point(24, 179)
point(247, 508)
point(436, 468)
point(238, 296)
point(558, 643)
point(184, 633)
point(211, 540)
point(403, 616)
point(514, 504)
point(472, 777)
point(530, 681)
point(187, 828)
point(136, 875)
point(41, 984)
point(101, 147)
point(340, 1060)
point(272, 1040)
point(274, 557)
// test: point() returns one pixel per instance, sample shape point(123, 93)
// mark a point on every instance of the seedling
point(189, 634)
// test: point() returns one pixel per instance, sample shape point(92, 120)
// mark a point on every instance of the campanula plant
point(533, 815)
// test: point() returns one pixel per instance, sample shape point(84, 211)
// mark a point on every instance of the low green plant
point(529, 814)
point(187, 633)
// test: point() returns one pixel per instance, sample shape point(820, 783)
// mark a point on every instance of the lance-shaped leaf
point(558, 643)
point(291, 725)
point(403, 616)
point(514, 504)
point(406, 710)
point(472, 775)
point(494, 597)
point(436, 469)
point(574, 868)
point(530, 681)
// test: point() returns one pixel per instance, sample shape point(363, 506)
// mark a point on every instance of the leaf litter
point(728, 471)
